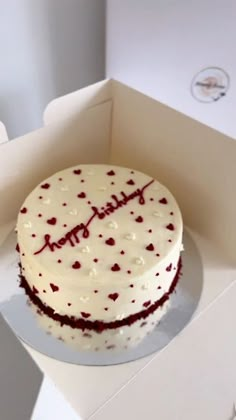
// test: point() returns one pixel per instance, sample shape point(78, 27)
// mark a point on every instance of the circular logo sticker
point(210, 85)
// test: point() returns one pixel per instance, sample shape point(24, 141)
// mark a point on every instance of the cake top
point(100, 222)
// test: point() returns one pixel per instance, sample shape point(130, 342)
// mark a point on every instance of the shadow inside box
point(33, 327)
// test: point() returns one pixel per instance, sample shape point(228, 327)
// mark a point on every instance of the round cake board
point(184, 301)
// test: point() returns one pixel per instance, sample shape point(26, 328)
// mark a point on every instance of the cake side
point(99, 242)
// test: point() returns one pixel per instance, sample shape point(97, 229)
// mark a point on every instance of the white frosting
point(112, 266)
point(109, 340)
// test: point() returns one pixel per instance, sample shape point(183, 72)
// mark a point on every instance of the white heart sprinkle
point(145, 286)
point(120, 331)
point(157, 214)
point(85, 249)
point(28, 225)
point(120, 317)
point(73, 212)
point(84, 299)
point(47, 201)
point(102, 188)
point(181, 247)
point(92, 272)
point(90, 172)
point(139, 261)
point(130, 236)
point(112, 225)
point(87, 346)
point(64, 188)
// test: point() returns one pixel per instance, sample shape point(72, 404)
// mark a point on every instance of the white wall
point(157, 46)
point(48, 48)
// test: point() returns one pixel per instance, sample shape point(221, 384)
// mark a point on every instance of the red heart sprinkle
point(133, 301)
point(146, 304)
point(171, 213)
point(24, 210)
point(85, 314)
point(170, 226)
point(130, 182)
point(111, 173)
point(52, 221)
point(113, 296)
point(122, 252)
point(77, 171)
point(139, 219)
point(169, 267)
point(69, 304)
point(54, 287)
point(163, 200)
point(115, 267)
point(45, 186)
point(157, 274)
point(81, 195)
point(17, 248)
point(110, 241)
point(150, 247)
point(34, 290)
point(76, 265)
point(110, 347)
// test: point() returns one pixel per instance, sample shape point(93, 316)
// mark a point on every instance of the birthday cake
point(100, 248)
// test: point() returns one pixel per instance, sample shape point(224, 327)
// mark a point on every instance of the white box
point(111, 122)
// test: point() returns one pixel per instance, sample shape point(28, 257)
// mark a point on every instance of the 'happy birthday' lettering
point(72, 237)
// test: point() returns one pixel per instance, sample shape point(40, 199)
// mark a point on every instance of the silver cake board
point(183, 304)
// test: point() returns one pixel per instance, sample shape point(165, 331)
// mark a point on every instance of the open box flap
point(24, 162)
point(75, 102)
point(196, 162)
point(3, 133)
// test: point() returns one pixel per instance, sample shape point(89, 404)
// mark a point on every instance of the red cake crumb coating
point(98, 325)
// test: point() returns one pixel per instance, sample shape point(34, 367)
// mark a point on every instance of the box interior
point(111, 122)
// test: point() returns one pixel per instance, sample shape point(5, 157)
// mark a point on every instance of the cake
point(100, 247)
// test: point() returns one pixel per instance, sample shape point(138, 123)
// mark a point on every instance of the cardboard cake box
point(110, 122)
